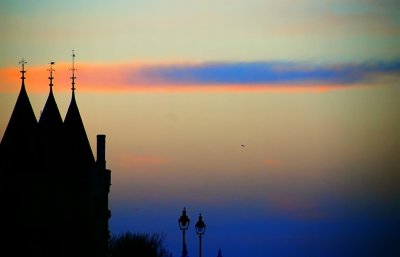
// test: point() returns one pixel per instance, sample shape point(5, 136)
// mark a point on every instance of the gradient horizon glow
point(311, 88)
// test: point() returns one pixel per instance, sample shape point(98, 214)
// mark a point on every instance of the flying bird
point(242, 145)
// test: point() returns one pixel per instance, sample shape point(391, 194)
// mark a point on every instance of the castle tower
point(89, 199)
point(17, 163)
point(55, 196)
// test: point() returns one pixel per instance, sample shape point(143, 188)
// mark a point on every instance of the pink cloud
point(296, 207)
point(135, 160)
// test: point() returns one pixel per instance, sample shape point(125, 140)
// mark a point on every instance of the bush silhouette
point(137, 245)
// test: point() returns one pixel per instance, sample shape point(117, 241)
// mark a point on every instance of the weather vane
point(23, 62)
point(51, 73)
point(73, 70)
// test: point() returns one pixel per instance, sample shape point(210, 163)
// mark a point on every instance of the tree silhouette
point(138, 245)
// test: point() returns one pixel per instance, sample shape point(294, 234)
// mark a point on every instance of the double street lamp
point(200, 229)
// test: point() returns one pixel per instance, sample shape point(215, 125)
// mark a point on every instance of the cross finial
point(51, 73)
point(73, 70)
point(23, 62)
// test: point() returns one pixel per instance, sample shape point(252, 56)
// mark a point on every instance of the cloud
point(256, 73)
point(141, 160)
point(211, 76)
point(296, 207)
point(272, 163)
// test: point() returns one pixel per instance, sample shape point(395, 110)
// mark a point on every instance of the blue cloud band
point(270, 72)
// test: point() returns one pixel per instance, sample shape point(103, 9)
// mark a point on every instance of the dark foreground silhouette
point(138, 245)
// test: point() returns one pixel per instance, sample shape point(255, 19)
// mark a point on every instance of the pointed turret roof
point(50, 117)
point(78, 144)
point(23, 121)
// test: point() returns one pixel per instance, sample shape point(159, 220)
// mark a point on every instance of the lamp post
point(184, 225)
point(200, 229)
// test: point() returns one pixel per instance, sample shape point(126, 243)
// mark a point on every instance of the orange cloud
point(272, 163)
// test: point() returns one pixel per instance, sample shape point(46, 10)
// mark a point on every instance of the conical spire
point(23, 121)
point(79, 149)
point(50, 117)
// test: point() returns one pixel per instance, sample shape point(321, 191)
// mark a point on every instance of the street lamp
point(200, 229)
point(184, 225)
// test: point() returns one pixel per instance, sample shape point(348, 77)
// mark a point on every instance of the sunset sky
point(310, 88)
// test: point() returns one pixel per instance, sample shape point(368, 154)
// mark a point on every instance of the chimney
point(101, 151)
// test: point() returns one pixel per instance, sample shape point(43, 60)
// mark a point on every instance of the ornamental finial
point(73, 70)
point(23, 62)
point(51, 73)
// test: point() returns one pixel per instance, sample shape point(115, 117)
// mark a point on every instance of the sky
point(309, 88)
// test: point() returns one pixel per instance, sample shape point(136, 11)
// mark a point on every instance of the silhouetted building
point(54, 194)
